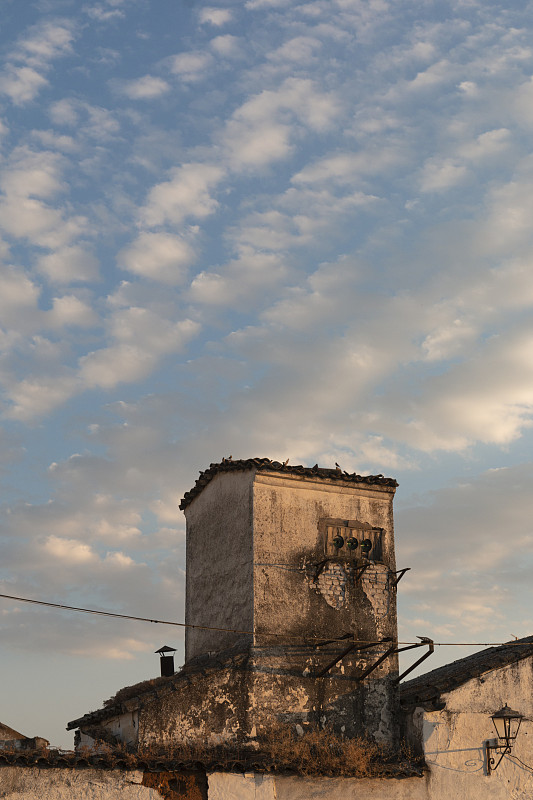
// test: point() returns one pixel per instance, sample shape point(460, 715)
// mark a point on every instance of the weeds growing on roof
point(281, 749)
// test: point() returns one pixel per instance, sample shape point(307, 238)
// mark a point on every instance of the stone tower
point(295, 566)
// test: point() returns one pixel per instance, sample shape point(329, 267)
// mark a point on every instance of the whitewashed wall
point(30, 783)
point(228, 786)
point(454, 738)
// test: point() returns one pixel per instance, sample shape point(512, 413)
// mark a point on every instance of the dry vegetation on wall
point(321, 751)
point(281, 749)
point(133, 691)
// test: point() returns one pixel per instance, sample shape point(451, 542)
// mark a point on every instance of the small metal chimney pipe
point(166, 660)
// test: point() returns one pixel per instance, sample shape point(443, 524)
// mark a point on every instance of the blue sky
point(268, 228)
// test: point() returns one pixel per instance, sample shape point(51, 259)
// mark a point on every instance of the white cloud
point(215, 16)
point(246, 278)
point(89, 120)
point(487, 145)
point(29, 179)
point(18, 295)
point(191, 66)
point(346, 168)
point(22, 78)
point(302, 216)
point(257, 145)
point(32, 174)
point(28, 218)
point(63, 112)
point(504, 227)
point(253, 4)
point(101, 123)
point(57, 141)
point(430, 78)
point(69, 310)
point(36, 397)
point(260, 133)
point(21, 84)
point(186, 194)
point(47, 41)
point(69, 551)
point(158, 256)
point(142, 339)
point(145, 88)
point(105, 530)
point(119, 560)
point(300, 49)
point(448, 340)
point(73, 264)
point(440, 174)
point(227, 46)
point(102, 13)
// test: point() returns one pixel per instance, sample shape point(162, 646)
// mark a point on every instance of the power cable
point(244, 632)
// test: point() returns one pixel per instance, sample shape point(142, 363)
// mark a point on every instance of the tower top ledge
point(266, 465)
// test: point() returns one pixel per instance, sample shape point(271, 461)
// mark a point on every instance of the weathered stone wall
point(301, 594)
point(219, 573)
point(282, 692)
point(288, 599)
point(208, 705)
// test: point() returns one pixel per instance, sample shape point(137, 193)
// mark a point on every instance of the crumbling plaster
point(286, 515)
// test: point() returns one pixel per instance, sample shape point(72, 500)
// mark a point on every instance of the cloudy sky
point(284, 228)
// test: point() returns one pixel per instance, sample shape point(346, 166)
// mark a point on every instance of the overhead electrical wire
point(115, 614)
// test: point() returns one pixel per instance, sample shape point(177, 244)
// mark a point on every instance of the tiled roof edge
point(266, 465)
point(431, 685)
point(238, 763)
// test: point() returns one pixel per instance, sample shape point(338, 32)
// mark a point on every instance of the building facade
point(290, 607)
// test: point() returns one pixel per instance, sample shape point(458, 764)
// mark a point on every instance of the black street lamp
point(507, 724)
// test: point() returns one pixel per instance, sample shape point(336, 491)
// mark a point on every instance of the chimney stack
point(167, 661)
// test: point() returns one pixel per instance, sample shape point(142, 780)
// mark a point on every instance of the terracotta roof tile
point(266, 465)
point(219, 762)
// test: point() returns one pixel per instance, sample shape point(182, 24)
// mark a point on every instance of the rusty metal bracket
point(353, 646)
point(376, 664)
point(431, 649)
point(333, 641)
point(358, 571)
point(394, 650)
point(399, 575)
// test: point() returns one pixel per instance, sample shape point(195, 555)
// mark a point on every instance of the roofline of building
point(266, 465)
point(219, 761)
point(427, 689)
point(130, 696)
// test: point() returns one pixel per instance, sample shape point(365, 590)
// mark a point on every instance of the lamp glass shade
point(507, 723)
